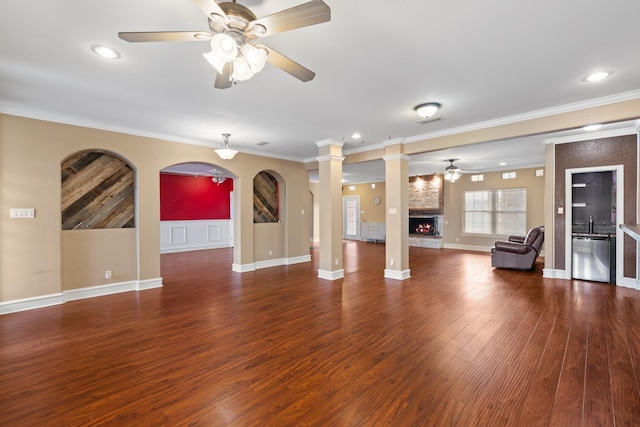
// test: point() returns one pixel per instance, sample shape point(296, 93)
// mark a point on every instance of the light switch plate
point(22, 213)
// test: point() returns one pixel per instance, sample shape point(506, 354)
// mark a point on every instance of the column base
point(331, 275)
point(397, 274)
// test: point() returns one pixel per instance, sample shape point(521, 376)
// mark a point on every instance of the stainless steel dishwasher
point(591, 258)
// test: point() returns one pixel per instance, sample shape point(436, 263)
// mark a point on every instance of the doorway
point(585, 224)
point(351, 217)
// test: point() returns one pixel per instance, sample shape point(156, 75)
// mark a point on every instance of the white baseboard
point(193, 248)
point(30, 303)
point(467, 247)
point(268, 263)
point(331, 275)
point(243, 268)
point(551, 273)
point(77, 294)
point(97, 291)
point(630, 282)
point(397, 274)
point(298, 259)
point(143, 285)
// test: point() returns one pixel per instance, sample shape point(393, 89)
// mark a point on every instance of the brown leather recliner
point(519, 252)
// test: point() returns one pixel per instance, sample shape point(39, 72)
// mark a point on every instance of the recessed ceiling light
point(503, 163)
point(596, 77)
point(356, 135)
point(105, 52)
point(593, 127)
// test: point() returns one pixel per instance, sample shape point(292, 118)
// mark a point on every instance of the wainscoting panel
point(178, 235)
point(182, 236)
point(214, 233)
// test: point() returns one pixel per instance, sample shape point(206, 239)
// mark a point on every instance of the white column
point(397, 215)
point(330, 206)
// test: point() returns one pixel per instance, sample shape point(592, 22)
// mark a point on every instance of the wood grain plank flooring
point(457, 344)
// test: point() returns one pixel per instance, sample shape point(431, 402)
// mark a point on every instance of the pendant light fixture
point(226, 153)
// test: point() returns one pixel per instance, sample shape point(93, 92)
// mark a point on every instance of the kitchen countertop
point(596, 235)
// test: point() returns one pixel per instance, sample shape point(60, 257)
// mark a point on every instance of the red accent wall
point(192, 198)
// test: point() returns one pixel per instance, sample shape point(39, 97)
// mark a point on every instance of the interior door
point(351, 217)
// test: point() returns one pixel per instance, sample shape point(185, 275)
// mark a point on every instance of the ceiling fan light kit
point(234, 31)
point(452, 172)
point(217, 177)
point(224, 47)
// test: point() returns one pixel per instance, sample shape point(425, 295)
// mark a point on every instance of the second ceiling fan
point(234, 31)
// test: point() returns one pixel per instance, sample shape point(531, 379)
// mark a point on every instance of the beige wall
point(31, 250)
point(369, 211)
point(525, 178)
point(88, 254)
point(268, 238)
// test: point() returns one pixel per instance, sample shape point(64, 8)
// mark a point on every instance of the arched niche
point(266, 197)
point(269, 217)
point(98, 234)
point(98, 192)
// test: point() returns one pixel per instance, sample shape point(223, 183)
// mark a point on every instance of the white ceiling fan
point(235, 30)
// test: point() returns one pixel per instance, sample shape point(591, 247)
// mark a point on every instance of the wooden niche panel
point(266, 206)
point(97, 192)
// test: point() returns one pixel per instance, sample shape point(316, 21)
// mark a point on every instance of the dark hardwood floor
point(457, 344)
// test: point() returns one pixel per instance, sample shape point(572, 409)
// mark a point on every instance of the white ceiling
point(374, 61)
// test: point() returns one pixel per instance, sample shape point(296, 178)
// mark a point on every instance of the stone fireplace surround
point(426, 202)
point(423, 240)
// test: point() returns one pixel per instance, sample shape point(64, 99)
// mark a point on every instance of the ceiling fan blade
point(165, 36)
point(223, 80)
point(210, 7)
point(287, 65)
point(310, 13)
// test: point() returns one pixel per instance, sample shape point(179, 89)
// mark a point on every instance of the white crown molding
point(364, 149)
point(74, 121)
point(329, 157)
point(396, 157)
point(392, 142)
point(596, 102)
point(591, 135)
point(329, 141)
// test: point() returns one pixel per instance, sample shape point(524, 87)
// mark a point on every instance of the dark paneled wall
point(621, 150)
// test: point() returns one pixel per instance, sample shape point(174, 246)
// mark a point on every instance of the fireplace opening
point(423, 226)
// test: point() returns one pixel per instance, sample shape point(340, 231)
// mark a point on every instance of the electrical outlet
point(337, 262)
point(392, 262)
point(270, 252)
point(107, 274)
